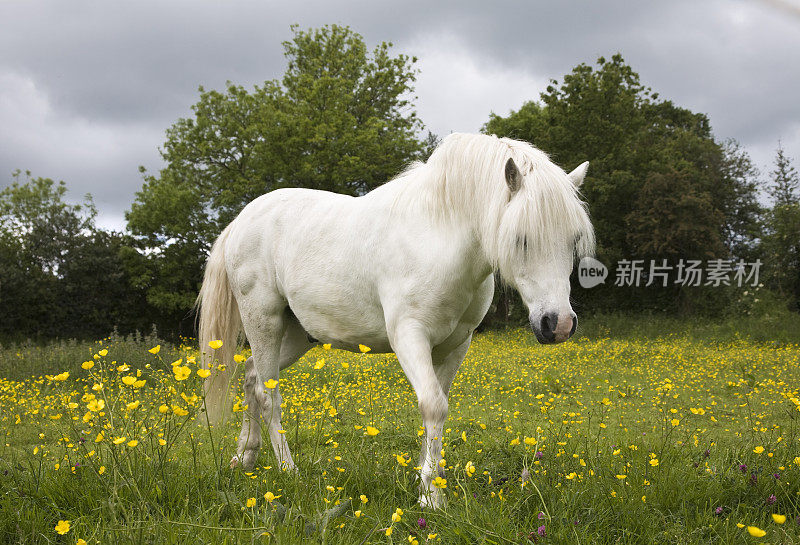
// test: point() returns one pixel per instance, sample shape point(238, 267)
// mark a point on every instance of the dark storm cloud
point(88, 88)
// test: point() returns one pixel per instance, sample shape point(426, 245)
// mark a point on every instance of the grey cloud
point(90, 87)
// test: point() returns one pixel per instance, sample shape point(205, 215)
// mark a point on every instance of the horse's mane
point(464, 181)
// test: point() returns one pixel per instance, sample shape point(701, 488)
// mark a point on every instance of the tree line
point(342, 118)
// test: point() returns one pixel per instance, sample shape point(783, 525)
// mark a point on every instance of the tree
point(61, 276)
point(659, 185)
point(35, 215)
point(782, 238)
point(785, 182)
point(36, 228)
point(341, 119)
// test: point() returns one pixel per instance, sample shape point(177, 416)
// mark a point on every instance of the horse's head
point(552, 228)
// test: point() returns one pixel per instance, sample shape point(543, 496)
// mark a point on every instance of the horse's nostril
point(546, 326)
point(574, 326)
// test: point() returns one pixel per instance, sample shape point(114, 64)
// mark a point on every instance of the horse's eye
point(522, 242)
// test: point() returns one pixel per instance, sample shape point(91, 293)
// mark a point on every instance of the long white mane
point(464, 181)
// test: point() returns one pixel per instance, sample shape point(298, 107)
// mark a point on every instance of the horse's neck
point(415, 196)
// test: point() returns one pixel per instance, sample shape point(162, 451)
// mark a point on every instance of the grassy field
point(637, 431)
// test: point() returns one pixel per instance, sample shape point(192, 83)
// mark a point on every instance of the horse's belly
point(343, 326)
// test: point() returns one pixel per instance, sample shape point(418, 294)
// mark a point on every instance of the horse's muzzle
point(551, 329)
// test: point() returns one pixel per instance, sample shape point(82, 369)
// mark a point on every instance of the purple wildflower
point(772, 499)
point(539, 454)
point(422, 523)
point(541, 515)
point(718, 511)
point(541, 531)
point(743, 468)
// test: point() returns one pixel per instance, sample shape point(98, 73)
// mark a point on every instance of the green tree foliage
point(781, 245)
point(60, 276)
point(341, 119)
point(659, 185)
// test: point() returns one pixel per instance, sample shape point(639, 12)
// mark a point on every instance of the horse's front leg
point(446, 366)
point(413, 350)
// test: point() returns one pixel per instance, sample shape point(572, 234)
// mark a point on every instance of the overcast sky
point(87, 89)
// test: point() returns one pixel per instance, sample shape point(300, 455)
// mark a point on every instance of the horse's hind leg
point(250, 437)
point(260, 400)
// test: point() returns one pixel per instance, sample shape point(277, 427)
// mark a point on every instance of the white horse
point(407, 268)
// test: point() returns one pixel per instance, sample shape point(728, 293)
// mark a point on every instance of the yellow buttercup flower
point(155, 349)
point(372, 430)
point(62, 527)
point(215, 344)
point(238, 358)
point(251, 502)
point(181, 372)
point(203, 373)
point(779, 519)
point(364, 349)
point(469, 468)
point(271, 383)
point(270, 497)
point(756, 531)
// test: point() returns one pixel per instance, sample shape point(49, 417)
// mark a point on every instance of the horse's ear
point(579, 174)
point(513, 176)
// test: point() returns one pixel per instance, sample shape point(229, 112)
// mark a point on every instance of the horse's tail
point(219, 321)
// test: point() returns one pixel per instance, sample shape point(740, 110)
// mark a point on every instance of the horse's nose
point(554, 329)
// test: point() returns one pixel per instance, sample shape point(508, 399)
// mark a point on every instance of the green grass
point(598, 407)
